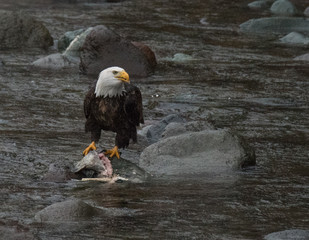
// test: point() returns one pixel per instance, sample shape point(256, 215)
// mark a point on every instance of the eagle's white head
point(111, 82)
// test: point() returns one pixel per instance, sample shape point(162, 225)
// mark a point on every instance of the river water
point(234, 81)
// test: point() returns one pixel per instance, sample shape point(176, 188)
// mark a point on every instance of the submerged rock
point(295, 38)
point(275, 25)
point(70, 210)
point(19, 30)
point(283, 8)
point(295, 234)
point(208, 151)
point(304, 57)
point(75, 210)
point(260, 4)
point(55, 61)
point(104, 48)
point(58, 173)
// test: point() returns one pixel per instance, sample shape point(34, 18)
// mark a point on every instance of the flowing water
point(235, 81)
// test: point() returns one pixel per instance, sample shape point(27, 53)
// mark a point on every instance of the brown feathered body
point(119, 114)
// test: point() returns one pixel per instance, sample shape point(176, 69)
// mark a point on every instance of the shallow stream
point(234, 81)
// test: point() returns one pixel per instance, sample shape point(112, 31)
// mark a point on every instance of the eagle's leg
point(89, 148)
point(113, 152)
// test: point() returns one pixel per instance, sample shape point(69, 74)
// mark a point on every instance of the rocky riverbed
point(234, 80)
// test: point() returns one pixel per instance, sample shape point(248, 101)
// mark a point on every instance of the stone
point(265, 27)
point(65, 40)
point(304, 57)
point(154, 132)
point(72, 52)
point(55, 61)
point(260, 4)
point(104, 48)
point(306, 12)
point(19, 30)
point(69, 59)
point(57, 173)
point(69, 210)
point(283, 8)
point(149, 54)
point(177, 128)
point(295, 38)
point(181, 57)
point(295, 234)
point(210, 151)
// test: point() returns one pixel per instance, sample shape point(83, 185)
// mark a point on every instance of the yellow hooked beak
point(123, 76)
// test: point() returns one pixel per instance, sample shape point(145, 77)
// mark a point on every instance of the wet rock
point(129, 170)
point(70, 210)
point(181, 57)
point(295, 38)
point(19, 30)
point(104, 48)
point(283, 8)
point(304, 57)
point(148, 53)
point(58, 173)
point(295, 234)
point(209, 151)
point(69, 59)
point(274, 26)
point(65, 40)
point(306, 12)
point(154, 132)
point(55, 61)
point(177, 128)
point(261, 4)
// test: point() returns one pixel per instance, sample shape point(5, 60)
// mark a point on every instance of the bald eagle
point(113, 104)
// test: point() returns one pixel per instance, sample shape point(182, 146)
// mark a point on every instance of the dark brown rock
point(104, 48)
point(19, 30)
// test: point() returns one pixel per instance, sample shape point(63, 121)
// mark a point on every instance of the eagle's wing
point(133, 105)
point(90, 96)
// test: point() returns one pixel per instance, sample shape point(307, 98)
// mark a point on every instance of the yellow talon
point(113, 152)
point(89, 148)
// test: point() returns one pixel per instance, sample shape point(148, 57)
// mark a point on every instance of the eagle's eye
point(115, 72)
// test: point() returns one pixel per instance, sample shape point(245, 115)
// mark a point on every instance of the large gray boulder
point(275, 25)
point(295, 234)
point(19, 30)
point(208, 151)
point(104, 48)
point(283, 8)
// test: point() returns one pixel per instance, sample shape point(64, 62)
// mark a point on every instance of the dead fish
point(94, 165)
